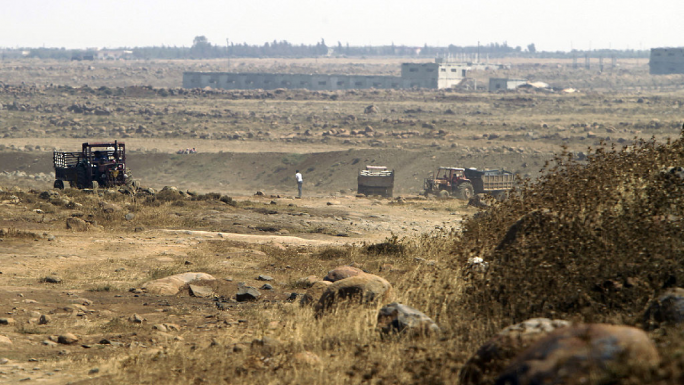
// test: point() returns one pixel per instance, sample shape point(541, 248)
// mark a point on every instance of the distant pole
point(586, 61)
point(478, 51)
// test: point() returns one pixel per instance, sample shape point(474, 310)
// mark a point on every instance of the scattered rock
point(44, 319)
point(583, 354)
point(7, 321)
point(129, 216)
point(396, 318)
point(136, 319)
point(76, 224)
point(160, 327)
point(172, 284)
point(371, 110)
point(52, 279)
point(110, 208)
point(247, 293)
point(362, 289)
point(67, 339)
point(494, 355)
point(264, 278)
point(266, 286)
point(667, 309)
point(342, 272)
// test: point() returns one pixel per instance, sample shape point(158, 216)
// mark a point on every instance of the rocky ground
point(80, 299)
point(68, 294)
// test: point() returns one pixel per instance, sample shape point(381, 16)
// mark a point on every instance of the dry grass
point(594, 246)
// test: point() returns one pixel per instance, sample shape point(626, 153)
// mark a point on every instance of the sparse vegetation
point(595, 239)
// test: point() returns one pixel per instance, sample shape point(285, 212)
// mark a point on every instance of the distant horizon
point(101, 48)
point(583, 25)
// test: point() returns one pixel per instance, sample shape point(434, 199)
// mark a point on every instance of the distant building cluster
point(102, 54)
point(438, 75)
point(665, 61)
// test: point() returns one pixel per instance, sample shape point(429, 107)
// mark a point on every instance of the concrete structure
point(440, 74)
point(666, 61)
point(498, 84)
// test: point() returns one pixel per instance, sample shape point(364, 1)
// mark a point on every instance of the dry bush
point(598, 239)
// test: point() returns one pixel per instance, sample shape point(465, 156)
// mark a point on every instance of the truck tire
point(465, 191)
point(82, 180)
point(59, 184)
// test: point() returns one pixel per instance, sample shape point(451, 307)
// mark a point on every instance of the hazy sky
point(550, 24)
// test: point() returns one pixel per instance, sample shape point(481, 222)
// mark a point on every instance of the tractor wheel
point(59, 184)
point(82, 180)
point(465, 191)
point(444, 194)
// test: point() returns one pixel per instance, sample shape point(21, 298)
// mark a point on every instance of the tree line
point(202, 49)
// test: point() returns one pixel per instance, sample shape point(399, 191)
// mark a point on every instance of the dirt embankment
point(273, 172)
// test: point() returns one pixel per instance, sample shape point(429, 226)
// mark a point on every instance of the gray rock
point(7, 321)
point(667, 309)
point(397, 318)
point(266, 287)
point(129, 216)
point(247, 293)
point(264, 278)
point(52, 279)
point(135, 318)
point(44, 319)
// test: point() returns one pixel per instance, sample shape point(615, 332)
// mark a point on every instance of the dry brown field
point(90, 283)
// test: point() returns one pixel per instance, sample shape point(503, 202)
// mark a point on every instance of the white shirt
point(298, 176)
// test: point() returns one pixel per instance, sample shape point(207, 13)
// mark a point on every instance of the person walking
point(300, 181)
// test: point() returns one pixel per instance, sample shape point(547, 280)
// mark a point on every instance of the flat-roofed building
point(438, 75)
point(665, 61)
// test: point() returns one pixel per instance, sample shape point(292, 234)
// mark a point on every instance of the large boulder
point(170, 285)
point(397, 318)
point(362, 289)
point(667, 309)
point(313, 293)
point(342, 272)
point(588, 353)
point(494, 355)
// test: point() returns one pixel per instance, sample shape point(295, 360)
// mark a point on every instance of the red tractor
point(464, 183)
point(104, 163)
